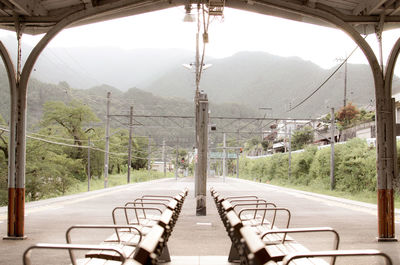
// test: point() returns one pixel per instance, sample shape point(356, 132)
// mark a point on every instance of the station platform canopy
point(39, 16)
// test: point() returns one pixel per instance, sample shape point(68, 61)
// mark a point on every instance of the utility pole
point(290, 153)
point(164, 158)
point(176, 162)
point(196, 103)
point(332, 148)
point(202, 134)
point(345, 79)
point(130, 143)
point(237, 156)
point(237, 164)
point(224, 159)
point(88, 166)
point(285, 136)
point(148, 155)
point(208, 148)
point(345, 84)
point(107, 141)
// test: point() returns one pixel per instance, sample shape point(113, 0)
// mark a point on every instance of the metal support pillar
point(17, 144)
point(12, 189)
point(107, 141)
point(202, 155)
point(332, 174)
point(130, 144)
point(387, 153)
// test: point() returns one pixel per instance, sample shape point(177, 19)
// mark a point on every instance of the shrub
point(301, 164)
point(356, 171)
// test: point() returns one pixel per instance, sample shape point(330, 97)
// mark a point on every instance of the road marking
point(56, 208)
point(203, 224)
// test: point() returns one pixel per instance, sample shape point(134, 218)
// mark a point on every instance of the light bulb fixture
point(188, 16)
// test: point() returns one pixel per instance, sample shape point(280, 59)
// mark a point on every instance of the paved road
point(195, 240)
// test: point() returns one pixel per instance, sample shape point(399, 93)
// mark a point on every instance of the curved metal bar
point(142, 205)
point(248, 200)
point(338, 253)
point(391, 63)
point(68, 237)
point(157, 196)
point(131, 208)
point(13, 111)
point(308, 230)
point(70, 247)
point(146, 199)
point(269, 209)
point(69, 241)
point(239, 197)
point(258, 204)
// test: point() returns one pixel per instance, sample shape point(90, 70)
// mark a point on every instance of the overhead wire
point(74, 146)
point(325, 81)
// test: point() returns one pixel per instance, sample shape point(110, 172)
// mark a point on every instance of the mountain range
point(251, 79)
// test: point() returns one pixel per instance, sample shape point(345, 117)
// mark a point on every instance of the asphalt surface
point(196, 240)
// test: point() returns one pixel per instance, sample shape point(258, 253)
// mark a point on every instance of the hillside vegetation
point(355, 168)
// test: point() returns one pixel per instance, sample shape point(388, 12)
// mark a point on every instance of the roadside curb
point(322, 196)
point(50, 201)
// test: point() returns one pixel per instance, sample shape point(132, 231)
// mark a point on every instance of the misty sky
point(237, 31)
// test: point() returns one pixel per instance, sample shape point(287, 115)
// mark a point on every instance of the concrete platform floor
point(195, 240)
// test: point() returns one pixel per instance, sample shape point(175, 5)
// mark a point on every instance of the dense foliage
point(57, 154)
point(355, 167)
point(302, 137)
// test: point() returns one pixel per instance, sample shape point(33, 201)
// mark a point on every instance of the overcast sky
point(238, 31)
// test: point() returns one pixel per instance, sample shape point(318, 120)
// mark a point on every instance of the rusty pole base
point(201, 209)
point(385, 239)
point(15, 237)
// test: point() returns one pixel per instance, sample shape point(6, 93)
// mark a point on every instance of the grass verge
point(366, 196)
point(119, 179)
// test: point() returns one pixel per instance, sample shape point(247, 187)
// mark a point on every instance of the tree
point(70, 118)
point(139, 153)
point(49, 171)
point(302, 137)
point(347, 115)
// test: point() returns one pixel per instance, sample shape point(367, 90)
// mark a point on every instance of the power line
point(326, 80)
point(74, 146)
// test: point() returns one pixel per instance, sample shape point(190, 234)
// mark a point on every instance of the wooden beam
point(30, 7)
point(368, 7)
point(396, 8)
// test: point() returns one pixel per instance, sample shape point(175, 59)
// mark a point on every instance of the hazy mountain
point(144, 103)
point(254, 79)
point(85, 67)
point(259, 79)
